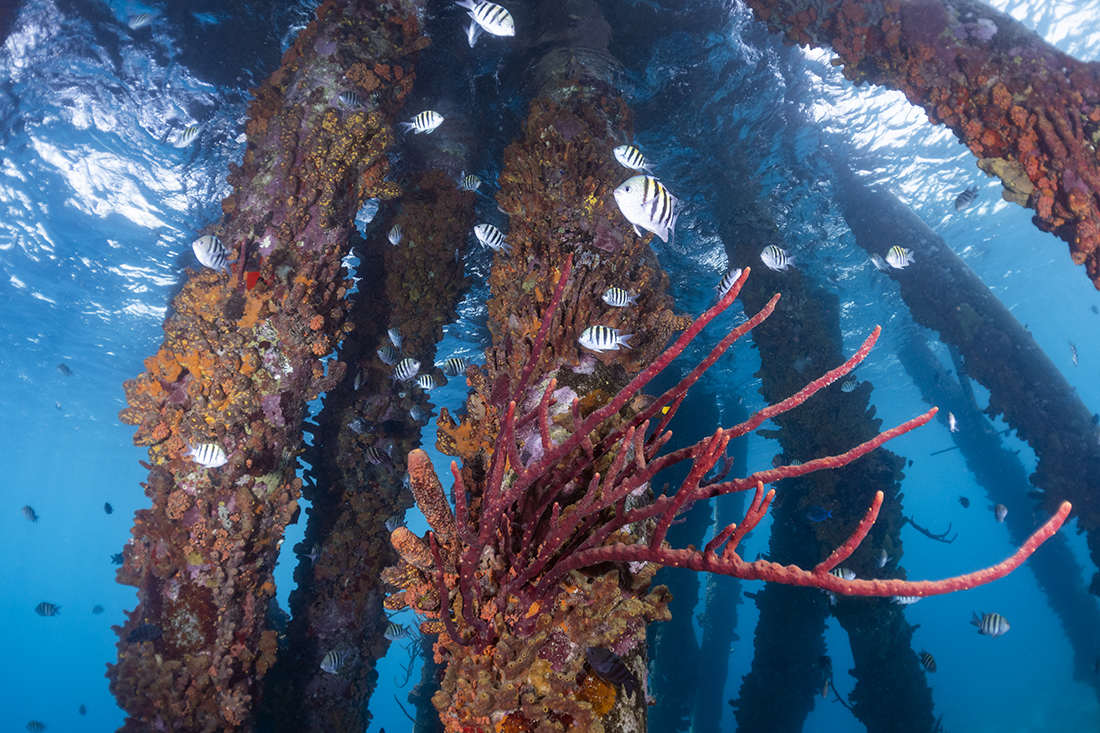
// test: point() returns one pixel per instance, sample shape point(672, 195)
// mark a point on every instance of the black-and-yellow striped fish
point(424, 122)
point(928, 661)
point(647, 204)
point(488, 17)
point(991, 624)
point(630, 157)
point(47, 609)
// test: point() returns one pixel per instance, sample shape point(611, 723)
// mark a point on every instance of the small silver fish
point(991, 624)
point(395, 631)
point(927, 661)
point(64, 370)
point(468, 182)
point(905, 600)
point(727, 282)
point(332, 661)
point(420, 414)
point(358, 426)
point(140, 20)
point(1073, 352)
point(776, 258)
point(455, 366)
point(491, 237)
point(395, 337)
point(393, 523)
point(406, 369)
point(966, 198)
point(646, 203)
point(843, 573)
point(388, 355)
point(395, 235)
point(881, 558)
point(952, 423)
point(849, 385)
point(879, 263)
point(1000, 512)
point(28, 514)
point(619, 298)
point(630, 157)
point(47, 609)
point(210, 251)
point(187, 136)
point(207, 455)
point(350, 99)
point(358, 381)
point(428, 382)
point(424, 122)
point(489, 18)
point(604, 338)
point(899, 257)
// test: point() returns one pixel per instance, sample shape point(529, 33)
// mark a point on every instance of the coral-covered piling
point(1028, 112)
point(242, 356)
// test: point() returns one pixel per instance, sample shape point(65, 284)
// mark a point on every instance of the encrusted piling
point(243, 354)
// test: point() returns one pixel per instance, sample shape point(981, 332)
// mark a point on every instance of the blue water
point(97, 212)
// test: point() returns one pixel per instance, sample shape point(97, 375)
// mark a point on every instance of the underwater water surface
point(98, 210)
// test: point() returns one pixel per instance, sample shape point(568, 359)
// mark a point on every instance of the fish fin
point(406, 125)
point(473, 32)
point(624, 340)
point(638, 231)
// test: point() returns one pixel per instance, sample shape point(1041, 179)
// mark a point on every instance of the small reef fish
point(455, 365)
point(332, 662)
point(727, 282)
point(395, 631)
point(36, 727)
point(881, 558)
point(818, 514)
point(825, 690)
point(899, 257)
point(966, 198)
point(82, 710)
point(139, 20)
point(406, 369)
point(375, 456)
point(393, 523)
point(108, 508)
point(776, 258)
point(952, 423)
point(117, 559)
point(420, 414)
point(468, 182)
point(145, 632)
point(1000, 512)
point(395, 337)
point(879, 263)
point(46, 609)
point(358, 381)
point(350, 99)
point(991, 624)
point(905, 600)
point(187, 136)
point(619, 298)
point(927, 661)
point(97, 609)
point(428, 382)
point(395, 235)
point(965, 502)
point(491, 237)
point(489, 18)
point(849, 385)
point(646, 203)
point(604, 338)
point(314, 553)
point(358, 426)
point(207, 455)
point(210, 252)
point(609, 667)
point(1073, 353)
point(424, 122)
point(843, 573)
point(28, 514)
point(388, 355)
point(64, 370)
point(632, 158)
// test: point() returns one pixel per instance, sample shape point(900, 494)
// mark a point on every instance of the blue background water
point(97, 213)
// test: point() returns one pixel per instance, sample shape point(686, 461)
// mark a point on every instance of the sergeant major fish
point(1000, 512)
point(849, 385)
point(489, 18)
point(210, 251)
point(350, 99)
point(395, 631)
point(428, 382)
point(332, 662)
point(991, 624)
point(395, 337)
point(207, 455)
point(619, 298)
point(395, 234)
point(139, 20)
point(843, 573)
point(406, 369)
point(727, 283)
point(611, 668)
point(632, 158)
point(420, 414)
point(776, 258)
point(426, 121)
point(47, 609)
point(966, 198)
point(927, 661)
point(879, 263)
point(899, 257)
point(604, 338)
point(108, 508)
point(28, 514)
point(455, 365)
point(646, 203)
point(491, 237)
point(468, 182)
point(187, 136)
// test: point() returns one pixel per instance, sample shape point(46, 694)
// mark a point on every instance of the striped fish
point(849, 385)
point(428, 382)
point(899, 257)
point(36, 727)
point(376, 456)
point(881, 558)
point(406, 369)
point(426, 121)
point(207, 455)
point(350, 99)
point(210, 252)
point(727, 282)
point(393, 523)
point(395, 337)
point(647, 204)
point(632, 158)
point(420, 414)
point(492, 238)
point(1000, 512)
point(489, 18)
point(187, 136)
point(879, 263)
point(1073, 352)
point(927, 661)
point(905, 600)
point(388, 355)
point(455, 365)
point(966, 198)
point(843, 573)
point(395, 631)
point(47, 609)
point(611, 668)
point(604, 338)
point(468, 182)
point(28, 514)
point(140, 20)
point(619, 298)
point(395, 235)
point(991, 624)
point(332, 662)
point(776, 258)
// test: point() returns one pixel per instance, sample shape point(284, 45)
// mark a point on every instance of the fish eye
point(626, 189)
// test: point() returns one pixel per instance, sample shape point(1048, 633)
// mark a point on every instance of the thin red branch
point(843, 552)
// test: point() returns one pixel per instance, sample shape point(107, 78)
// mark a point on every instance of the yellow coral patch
point(597, 693)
